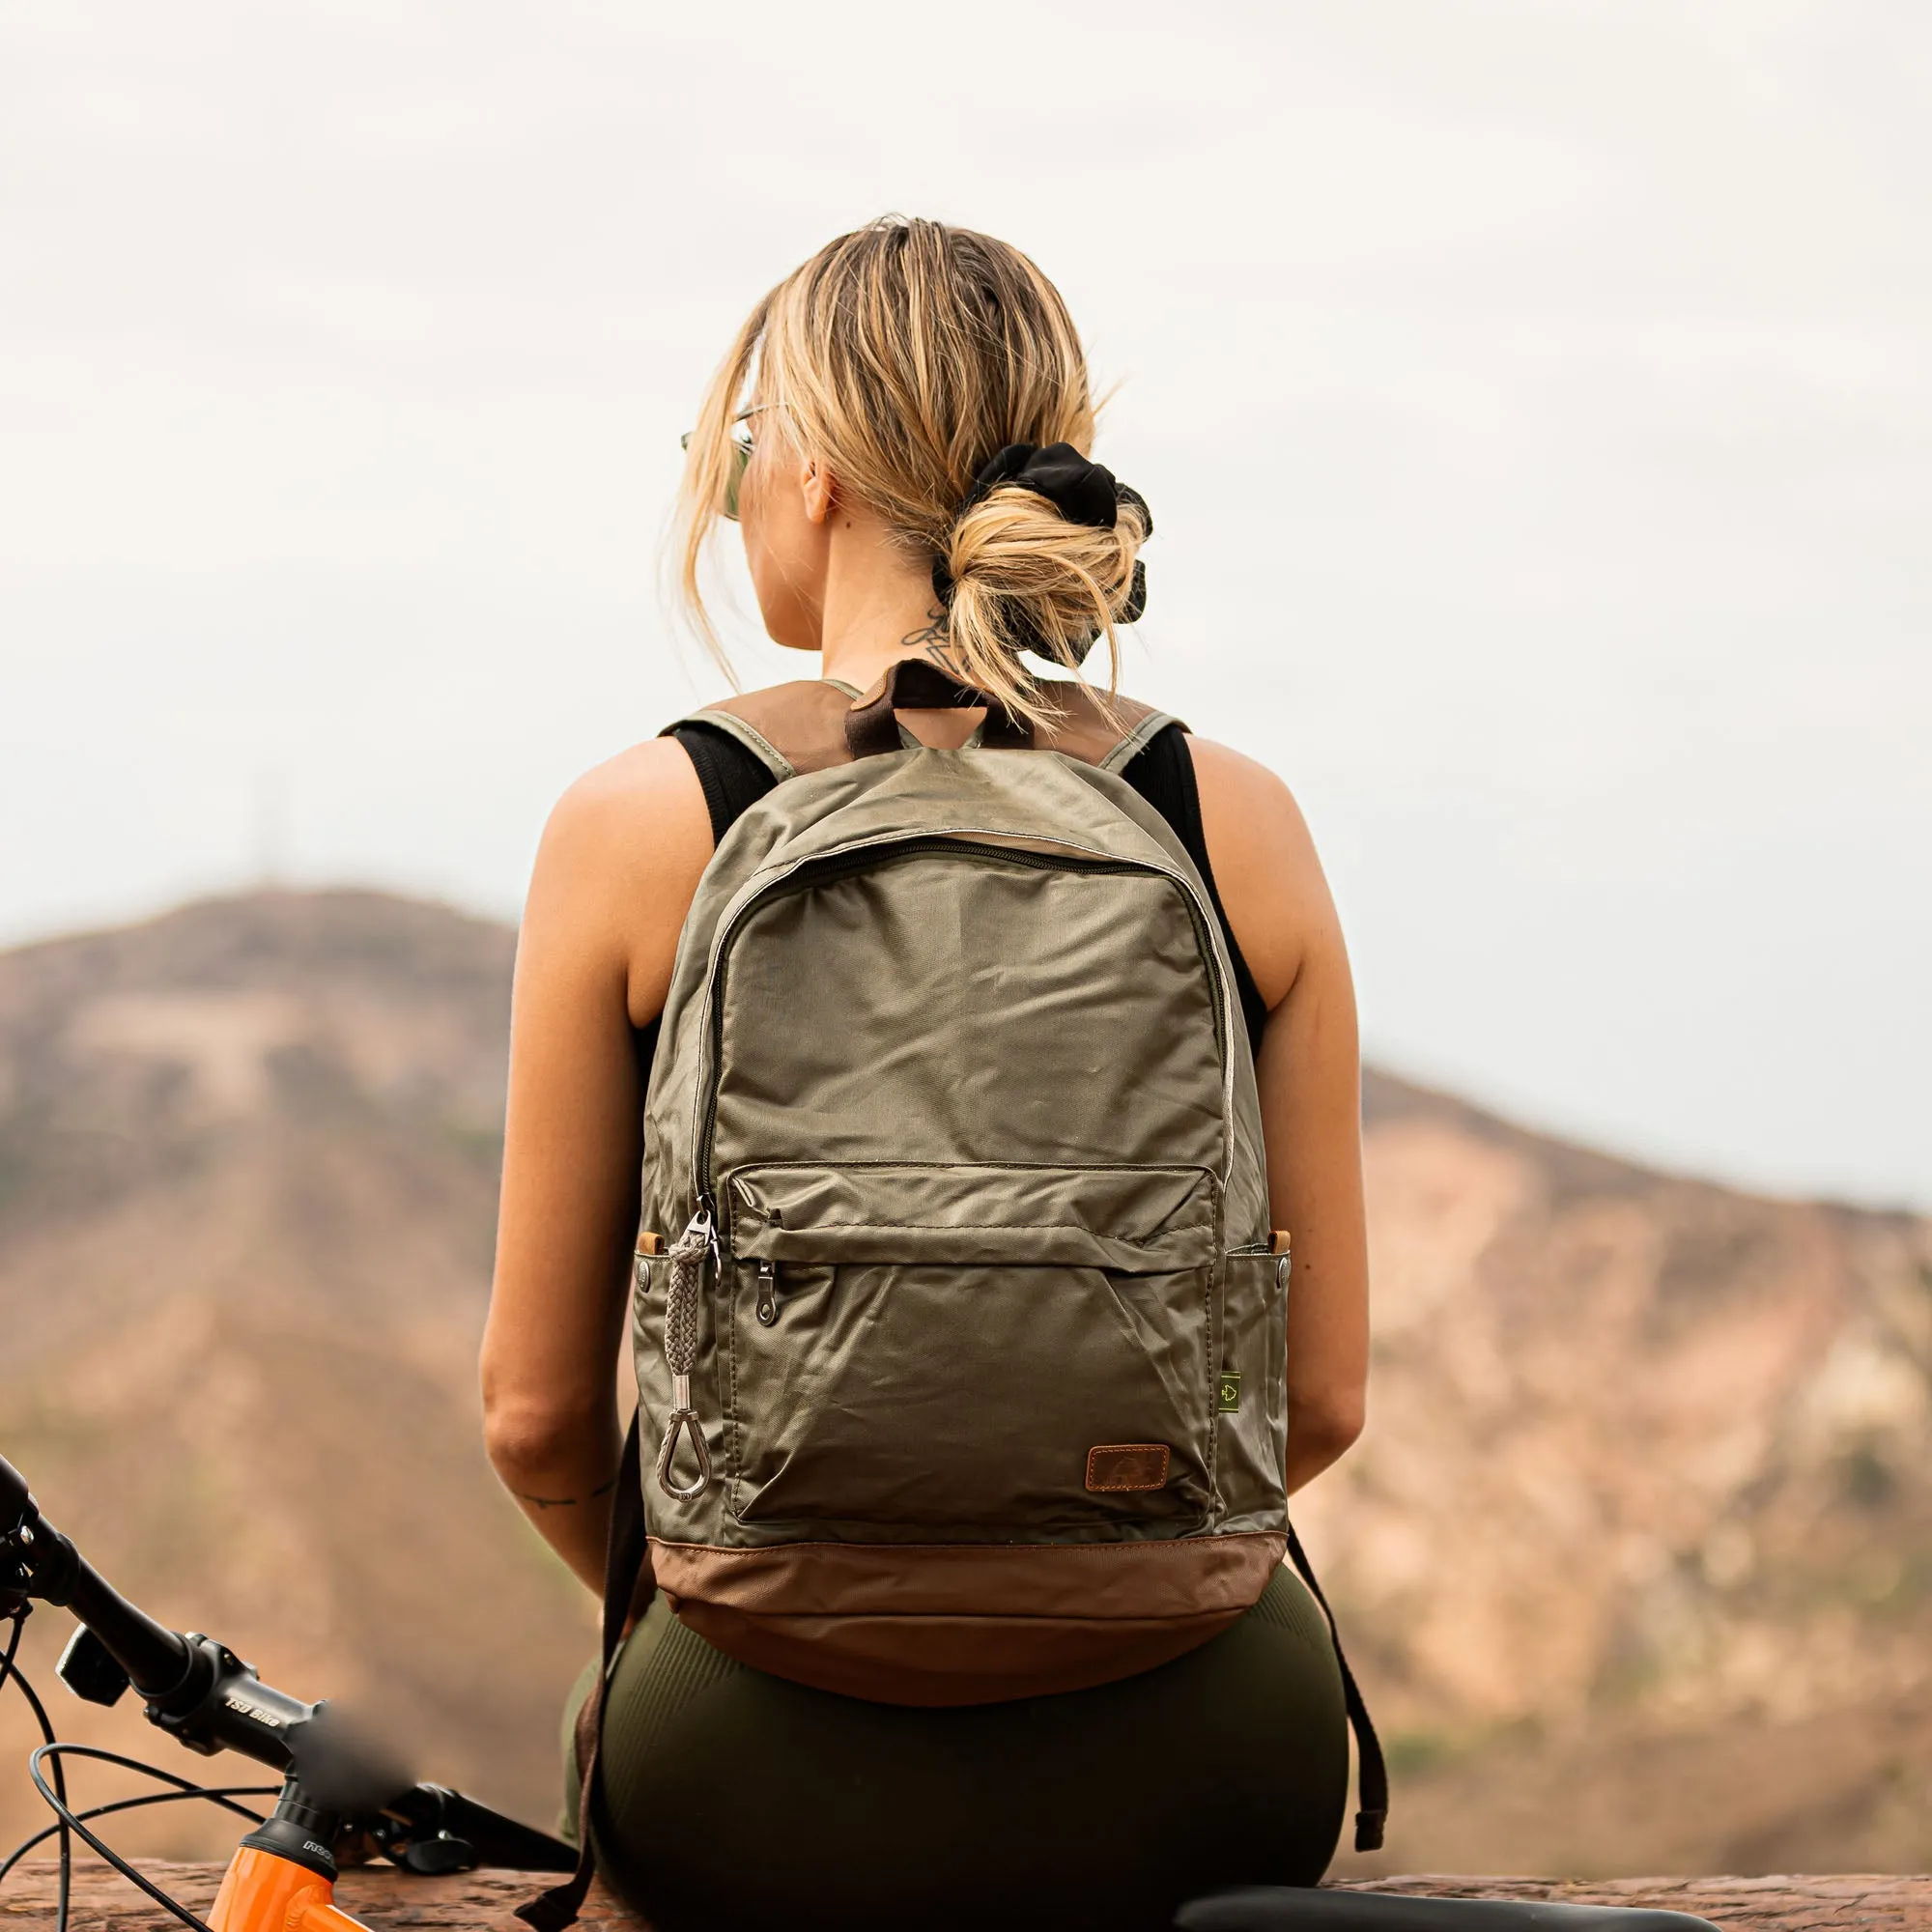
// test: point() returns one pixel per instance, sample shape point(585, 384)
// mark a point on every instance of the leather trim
point(1127, 1466)
point(1097, 730)
point(1172, 1578)
point(798, 728)
point(802, 723)
point(913, 683)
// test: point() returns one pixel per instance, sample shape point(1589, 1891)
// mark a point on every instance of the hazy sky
point(1533, 395)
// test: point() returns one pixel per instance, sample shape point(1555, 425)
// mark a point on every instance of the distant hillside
point(1636, 1556)
point(1639, 1537)
point(249, 1163)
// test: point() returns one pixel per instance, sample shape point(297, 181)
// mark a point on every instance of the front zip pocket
point(946, 1346)
point(993, 852)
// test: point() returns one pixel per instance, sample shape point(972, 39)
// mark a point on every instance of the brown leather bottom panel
point(959, 1623)
point(1178, 1576)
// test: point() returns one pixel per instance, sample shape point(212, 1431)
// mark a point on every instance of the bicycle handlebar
point(195, 1689)
point(206, 1697)
point(43, 1563)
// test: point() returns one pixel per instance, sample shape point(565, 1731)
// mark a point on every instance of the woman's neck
point(879, 606)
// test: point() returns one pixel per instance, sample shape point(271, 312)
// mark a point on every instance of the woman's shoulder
point(1241, 783)
point(620, 860)
point(1265, 866)
point(653, 778)
point(656, 784)
point(1253, 825)
point(636, 821)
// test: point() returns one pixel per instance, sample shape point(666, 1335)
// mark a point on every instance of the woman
point(849, 430)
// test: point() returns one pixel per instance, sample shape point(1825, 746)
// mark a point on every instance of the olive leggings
point(736, 1802)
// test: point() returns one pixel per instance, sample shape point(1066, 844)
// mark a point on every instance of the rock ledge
point(485, 1901)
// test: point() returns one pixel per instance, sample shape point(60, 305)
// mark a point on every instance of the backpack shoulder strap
point(789, 728)
point(1372, 1784)
point(798, 728)
point(734, 776)
point(1099, 729)
point(628, 1585)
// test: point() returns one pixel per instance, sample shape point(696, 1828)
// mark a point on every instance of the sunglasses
point(741, 456)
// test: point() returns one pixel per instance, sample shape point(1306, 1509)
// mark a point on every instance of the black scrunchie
point(1082, 492)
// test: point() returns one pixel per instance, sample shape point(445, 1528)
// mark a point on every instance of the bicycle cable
point(68, 1823)
point(71, 1820)
point(215, 1794)
point(13, 1674)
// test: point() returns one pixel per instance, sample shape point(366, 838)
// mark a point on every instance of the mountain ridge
point(1635, 1558)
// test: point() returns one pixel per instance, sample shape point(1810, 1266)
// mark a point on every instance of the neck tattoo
point(932, 639)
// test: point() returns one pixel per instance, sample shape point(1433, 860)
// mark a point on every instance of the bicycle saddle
point(1282, 1907)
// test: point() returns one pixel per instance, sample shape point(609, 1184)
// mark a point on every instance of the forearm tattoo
point(564, 1502)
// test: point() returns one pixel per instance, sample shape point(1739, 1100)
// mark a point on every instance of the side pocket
point(1279, 1275)
point(647, 1274)
point(1253, 1433)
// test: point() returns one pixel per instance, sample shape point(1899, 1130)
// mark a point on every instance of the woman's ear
point(819, 491)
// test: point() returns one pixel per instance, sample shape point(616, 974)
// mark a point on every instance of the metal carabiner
point(687, 1420)
point(682, 1417)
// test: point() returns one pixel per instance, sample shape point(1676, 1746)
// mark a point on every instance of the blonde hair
point(905, 356)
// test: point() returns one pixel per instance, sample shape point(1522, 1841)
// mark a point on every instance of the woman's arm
point(613, 877)
point(1309, 1071)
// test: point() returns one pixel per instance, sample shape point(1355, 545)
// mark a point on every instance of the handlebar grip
point(155, 1658)
point(17, 1501)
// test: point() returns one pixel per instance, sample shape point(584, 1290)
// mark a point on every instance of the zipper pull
point(768, 1293)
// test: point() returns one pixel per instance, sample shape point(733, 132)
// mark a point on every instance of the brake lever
point(430, 1829)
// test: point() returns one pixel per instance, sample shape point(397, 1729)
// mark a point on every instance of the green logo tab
point(1227, 1394)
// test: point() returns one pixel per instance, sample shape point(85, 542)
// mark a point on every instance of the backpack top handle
point(919, 684)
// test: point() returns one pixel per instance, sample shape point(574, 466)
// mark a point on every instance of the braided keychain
point(686, 1257)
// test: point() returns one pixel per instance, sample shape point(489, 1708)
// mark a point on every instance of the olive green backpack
point(960, 1325)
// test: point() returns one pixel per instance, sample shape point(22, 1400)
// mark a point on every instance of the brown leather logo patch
point(1127, 1466)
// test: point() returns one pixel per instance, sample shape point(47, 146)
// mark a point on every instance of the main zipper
point(809, 872)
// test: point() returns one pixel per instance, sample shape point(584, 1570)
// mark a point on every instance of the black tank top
point(1162, 772)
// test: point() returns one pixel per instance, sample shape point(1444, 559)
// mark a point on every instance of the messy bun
point(1017, 574)
point(906, 355)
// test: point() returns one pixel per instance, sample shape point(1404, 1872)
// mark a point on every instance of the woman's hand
point(1309, 1071)
point(614, 876)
